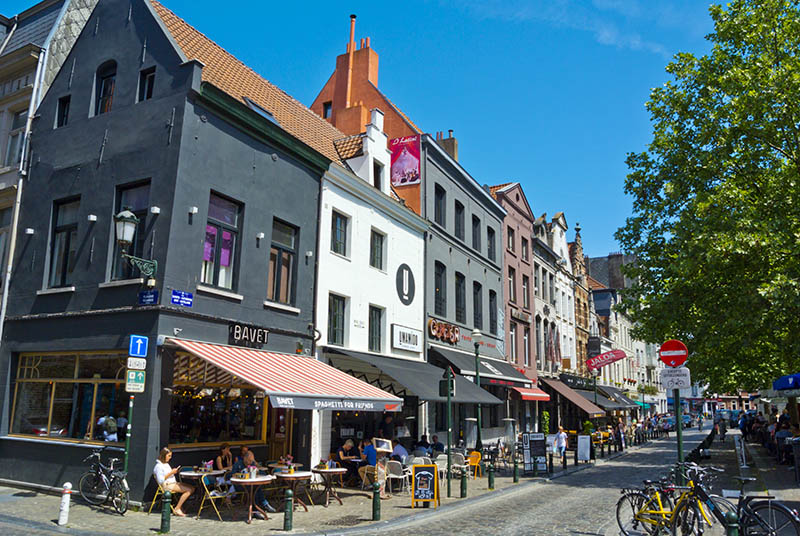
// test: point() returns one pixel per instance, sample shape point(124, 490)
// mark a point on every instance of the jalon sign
point(605, 359)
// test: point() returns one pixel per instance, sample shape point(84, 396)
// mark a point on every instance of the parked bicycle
point(102, 483)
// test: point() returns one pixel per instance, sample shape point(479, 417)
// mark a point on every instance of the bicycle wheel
point(119, 496)
point(687, 520)
point(92, 488)
point(628, 517)
point(769, 518)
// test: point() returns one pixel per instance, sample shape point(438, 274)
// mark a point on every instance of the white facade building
point(565, 292)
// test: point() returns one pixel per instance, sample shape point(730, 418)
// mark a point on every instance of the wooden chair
point(474, 463)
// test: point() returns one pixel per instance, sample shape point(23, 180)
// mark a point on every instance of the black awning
point(419, 378)
point(605, 403)
point(617, 396)
point(570, 394)
point(493, 372)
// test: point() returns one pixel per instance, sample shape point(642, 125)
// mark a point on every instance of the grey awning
point(605, 403)
point(617, 396)
point(419, 378)
point(493, 372)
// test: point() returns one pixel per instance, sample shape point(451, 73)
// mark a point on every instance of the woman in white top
point(561, 442)
point(165, 476)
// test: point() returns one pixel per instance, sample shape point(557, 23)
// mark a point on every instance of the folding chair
point(159, 493)
point(212, 493)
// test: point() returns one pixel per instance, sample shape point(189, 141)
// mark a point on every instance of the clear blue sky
point(549, 93)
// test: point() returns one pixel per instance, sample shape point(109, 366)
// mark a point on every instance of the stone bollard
point(63, 511)
point(490, 472)
point(564, 460)
point(516, 469)
point(732, 528)
point(550, 463)
point(288, 510)
point(463, 484)
point(602, 449)
point(376, 502)
point(576, 455)
point(166, 504)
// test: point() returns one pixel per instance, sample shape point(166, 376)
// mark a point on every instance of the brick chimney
point(449, 144)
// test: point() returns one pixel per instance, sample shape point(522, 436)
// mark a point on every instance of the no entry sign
point(673, 353)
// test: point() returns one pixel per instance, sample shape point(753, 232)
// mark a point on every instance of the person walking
point(699, 423)
point(561, 442)
point(621, 433)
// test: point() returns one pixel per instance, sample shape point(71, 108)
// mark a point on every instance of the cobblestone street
point(578, 503)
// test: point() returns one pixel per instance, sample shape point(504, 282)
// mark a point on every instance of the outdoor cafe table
point(197, 475)
point(293, 480)
point(327, 478)
point(251, 485)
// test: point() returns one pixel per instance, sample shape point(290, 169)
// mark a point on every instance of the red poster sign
point(673, 353)
point(604, 359)
point(405, 160)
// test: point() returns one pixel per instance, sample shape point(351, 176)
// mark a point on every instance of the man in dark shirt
point(436, 446)
point(387, 427)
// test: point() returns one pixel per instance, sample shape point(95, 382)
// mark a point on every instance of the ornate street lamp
point(476, 339)
point(125, 226)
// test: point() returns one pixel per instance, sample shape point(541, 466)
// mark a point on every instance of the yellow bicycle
point(652, 510)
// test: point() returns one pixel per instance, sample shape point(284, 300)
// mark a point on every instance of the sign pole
point(128, 434)
point(449, 428)
point(676, 395)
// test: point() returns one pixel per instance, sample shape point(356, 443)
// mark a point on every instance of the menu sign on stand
point(534, 451)
point(425, 485)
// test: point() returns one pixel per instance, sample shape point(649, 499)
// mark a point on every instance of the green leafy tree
point(545, 422)
point(716, 201)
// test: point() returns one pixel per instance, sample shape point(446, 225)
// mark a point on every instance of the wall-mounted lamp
point(125, 227)
point(29, 231)
point(92, 217)
point(259, 236)
point(155, 210)
point(192, 210)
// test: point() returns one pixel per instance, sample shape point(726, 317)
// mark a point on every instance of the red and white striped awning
point(532, 393)
point(294, 381)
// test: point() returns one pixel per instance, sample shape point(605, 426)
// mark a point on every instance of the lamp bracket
point(146, 266)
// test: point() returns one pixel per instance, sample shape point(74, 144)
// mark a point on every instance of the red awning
point(294, 381)
point(533, 393)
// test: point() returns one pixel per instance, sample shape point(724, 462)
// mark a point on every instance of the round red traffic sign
point(673, 353)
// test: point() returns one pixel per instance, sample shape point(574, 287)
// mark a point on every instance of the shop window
point(70, 396)
point(136, 199)
point(490, 244)
point(459, 212)
point(220, 247)
point(16, 137)
point(493, 312)
point(62, 111)
point(476, 233)
point(105, 82)
point(64, 245)
point(461, 298)
point(440, 289)
point(147, 80)
point(440, 206)
point(339, 233)
point(375, 329)
point(376, 249)
point(336, 319)
point(477, 305)
point(282, 255)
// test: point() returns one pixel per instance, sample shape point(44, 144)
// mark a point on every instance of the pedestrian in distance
point(561, 442)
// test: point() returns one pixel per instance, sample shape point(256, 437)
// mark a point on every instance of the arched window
point(104, 84)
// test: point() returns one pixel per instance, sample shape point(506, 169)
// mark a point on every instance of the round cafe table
point(250, 486)
point(327, 478)
point(293, 480)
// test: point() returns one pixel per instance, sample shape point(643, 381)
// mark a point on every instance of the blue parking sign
point(138, 346)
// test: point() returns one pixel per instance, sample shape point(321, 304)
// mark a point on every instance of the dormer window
point(105, 82)
point(377, 175)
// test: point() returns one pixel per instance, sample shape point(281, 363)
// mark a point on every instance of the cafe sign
point(247, 335)
point(443, 331)
point(404, 338)
point(577, 382)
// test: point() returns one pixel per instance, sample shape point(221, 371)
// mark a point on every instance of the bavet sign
point(339, 404)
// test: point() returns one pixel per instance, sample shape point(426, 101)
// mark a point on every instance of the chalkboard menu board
point(534, 451)
point(425, 485)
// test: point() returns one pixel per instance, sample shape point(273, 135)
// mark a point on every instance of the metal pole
point(449, 429)
point(595, 389)
point(478, 442)
point(676, 394)
point(288, 510)
point(128, 431)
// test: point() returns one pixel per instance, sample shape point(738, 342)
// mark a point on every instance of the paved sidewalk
point(36, 513)
point(774, 478)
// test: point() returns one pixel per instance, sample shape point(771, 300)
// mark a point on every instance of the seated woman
point(165, 477)
point(349, 458)
point(224, 462)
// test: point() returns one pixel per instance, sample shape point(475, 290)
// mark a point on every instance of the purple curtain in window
point(227, 248)
point(208, 246)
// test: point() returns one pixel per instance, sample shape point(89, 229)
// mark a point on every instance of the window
point(377, 174)
point(539, 351)
point(336, 319)
point(440, 290)
point(104, 87)
point(552, 289)
point(376, 241)
point(512, 285)
point(136, 199)
point(62, 111)
point(461, 298)
point(477, 305)
point(524, 249)
point(476, 233)
point(5, 228)
point(375, 329)
point(57, 395)
point(64, 246)
point(219, 248)
point(490, 251)
point(511, 244)
point(16, 137)
point(282, 255)
point(526, 297)
point(147, 79)
point(440, 206)
point(526, 348)
point(459, 211)
point(339, 233)
point(512, 341)
point(327, 109)
point(536, 279)
point(493, 312)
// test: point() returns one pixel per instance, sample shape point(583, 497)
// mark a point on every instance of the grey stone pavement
point(579, 502)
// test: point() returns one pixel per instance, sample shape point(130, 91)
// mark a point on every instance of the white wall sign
point(404, 338)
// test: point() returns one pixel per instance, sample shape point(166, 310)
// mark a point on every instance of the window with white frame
point(282, 263)
point(526, 348)
point(64, 243)
point(337, 319)
point(16, 136)
point(375, 328)
point(339, 224)
point(512, 340)
point(219, 247)
point(376, 249)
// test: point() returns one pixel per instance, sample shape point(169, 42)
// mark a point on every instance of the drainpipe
point(8, 37)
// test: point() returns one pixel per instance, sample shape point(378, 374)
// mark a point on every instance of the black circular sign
point(405, 284)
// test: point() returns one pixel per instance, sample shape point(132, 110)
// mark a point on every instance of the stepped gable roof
point(224, 71)
point(350, 147)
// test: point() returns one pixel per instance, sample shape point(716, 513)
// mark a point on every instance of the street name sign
point(137, 363)
point(182, 298)
point(673, 353)
point(134, 381)
point(137, 346)
point(676, 378)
